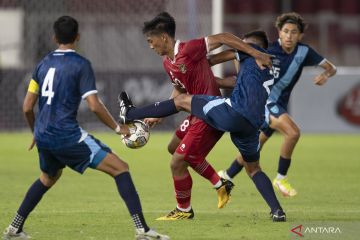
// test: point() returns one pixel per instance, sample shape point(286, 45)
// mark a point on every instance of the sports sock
point(31, 199)
point(184, 209)
point(207, 171)
point(155, 110)
point(128, 193)
point(234, 169)
point(263, 184)
point(183, 186)
point(284, 164)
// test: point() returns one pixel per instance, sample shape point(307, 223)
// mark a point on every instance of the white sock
point(218, 184)
point(280, 177)
point(184, 209)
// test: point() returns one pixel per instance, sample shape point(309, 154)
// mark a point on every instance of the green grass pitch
point(325, 171)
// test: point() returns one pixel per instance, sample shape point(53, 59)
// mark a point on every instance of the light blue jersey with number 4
point(63, 79)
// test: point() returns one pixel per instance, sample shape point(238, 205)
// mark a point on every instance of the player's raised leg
point(31, 200)
point(128, 112)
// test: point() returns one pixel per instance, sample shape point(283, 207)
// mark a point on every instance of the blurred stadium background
point(112, 40)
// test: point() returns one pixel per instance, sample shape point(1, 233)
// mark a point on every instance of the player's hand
point(321, 79)
point(32, 144)
point(124, 130)
point(152, 122)
point(263, 60)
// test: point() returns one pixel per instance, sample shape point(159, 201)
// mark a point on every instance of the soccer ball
point(139, 135)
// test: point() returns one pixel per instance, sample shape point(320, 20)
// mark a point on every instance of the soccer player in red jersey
point(188, 68)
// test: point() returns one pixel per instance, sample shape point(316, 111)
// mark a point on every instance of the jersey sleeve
point(313, 58)
point(87, 84)
point(240, 56)
point(196, 49)
point(34, 82)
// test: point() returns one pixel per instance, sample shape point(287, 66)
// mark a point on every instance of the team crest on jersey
point(276, 61)
point(182, 68)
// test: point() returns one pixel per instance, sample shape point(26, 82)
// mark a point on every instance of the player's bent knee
point(252, 168)
point(178, 164)
point(171, 148)
point(113, 165)
point(48, 180)
point(294, 134)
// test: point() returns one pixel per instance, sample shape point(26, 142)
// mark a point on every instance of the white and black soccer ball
point(139, 135)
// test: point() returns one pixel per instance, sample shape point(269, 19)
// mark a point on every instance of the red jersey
point(190, 69)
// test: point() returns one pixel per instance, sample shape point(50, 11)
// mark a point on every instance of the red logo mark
point(297, 230)
point(349, 106)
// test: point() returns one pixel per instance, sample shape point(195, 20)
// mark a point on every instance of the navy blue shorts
point(87, 153)
point(218, 113)
point(274, 110)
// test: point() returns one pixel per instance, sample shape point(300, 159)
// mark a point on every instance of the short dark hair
point(293, 18)
point(162, 23)
point(66, 29)
point(259, 36)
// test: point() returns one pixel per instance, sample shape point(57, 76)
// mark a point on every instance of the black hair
point(66, 29)
point(162, 23)
point(293, 18)
point(260, 38)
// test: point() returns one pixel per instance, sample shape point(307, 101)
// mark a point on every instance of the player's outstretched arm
point(98, 107)
point(227, 82)
point(221, 57)
point(217, 40)
point(330, 70)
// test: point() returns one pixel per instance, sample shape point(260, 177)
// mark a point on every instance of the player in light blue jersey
point(60, 81)
point(242, 114)
point(290, 58)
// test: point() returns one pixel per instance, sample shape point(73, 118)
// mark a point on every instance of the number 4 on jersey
point(47, 87)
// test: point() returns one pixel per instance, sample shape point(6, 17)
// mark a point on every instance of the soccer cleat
point(140, 234)
point(278, 216)
point(125, 103)
point(283, 186)
point(177, 214)
point(11, 233)
point(223, 174)
point(223, 192)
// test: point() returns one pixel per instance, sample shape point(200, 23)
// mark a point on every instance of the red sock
point(206, 170)
point(183, 185)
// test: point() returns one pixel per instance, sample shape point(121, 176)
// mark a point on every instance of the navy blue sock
point(234, 169)
point(155, 110)
point(284, 164)
point(263, 184)
point(32, 198)
point(128, 193)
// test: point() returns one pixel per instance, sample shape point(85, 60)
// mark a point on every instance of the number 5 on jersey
point(47, 87)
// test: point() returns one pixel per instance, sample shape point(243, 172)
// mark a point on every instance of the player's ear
point(77, 37)
point(164, 37)
point(301, 36)
point(55, 39)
